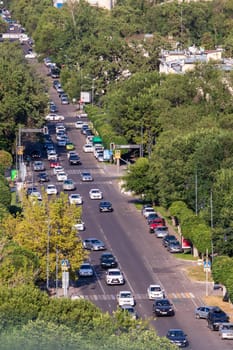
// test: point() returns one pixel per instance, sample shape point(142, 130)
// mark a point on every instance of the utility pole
point(196, 194)
point(47, 257)
point(211, 224)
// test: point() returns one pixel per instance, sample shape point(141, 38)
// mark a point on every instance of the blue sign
point(207, 264)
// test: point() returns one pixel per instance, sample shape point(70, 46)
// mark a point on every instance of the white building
point(107, 4)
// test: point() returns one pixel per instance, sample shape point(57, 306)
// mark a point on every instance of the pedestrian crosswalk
point(107, 297)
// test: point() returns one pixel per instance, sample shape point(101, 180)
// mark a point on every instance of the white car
point(88, 148)
point(58, 169)
point(54, 117)
point(52, 155)
point(86, 270)
point(80, 226)
point(89, 139)
point(51, 189)
point(114, 276)
point(154, 291)
point(30, 55)
point(79, 124)
point(148, 211)
point(60, 128)
point(125, 298)
point(82, 115)
point(75, 198)
point(61, 176)
point(95, 193)
point(226, 330)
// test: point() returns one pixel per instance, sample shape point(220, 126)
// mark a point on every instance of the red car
point(54, 163)
point(156, 223)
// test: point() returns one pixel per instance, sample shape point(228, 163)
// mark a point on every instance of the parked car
point(152, 217)
point(202, 311)
point(161, 231)
point(105, 206)
point(95, 193)
point(43, 177)
point(51, 189)
point(108, 260)
point(38, 166)
point(175, 247)
point(86, 176)
point(75, 198)
point(53, 108)
point(125, 298)
point(163, 307)
point(93, 244)
point(226, 330)
point(155, 222)
point(154, 291)
point(84, 127)
point(64, 100)
point(177, 337)
point(215, 317)
point(86, 270)
point(68, 185)
point(130, 311)
point(114, 276)
point(169, 238)
point(147, 211)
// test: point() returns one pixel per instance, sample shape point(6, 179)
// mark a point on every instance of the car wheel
point(197, 316)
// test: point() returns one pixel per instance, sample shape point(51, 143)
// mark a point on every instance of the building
point(107, 4)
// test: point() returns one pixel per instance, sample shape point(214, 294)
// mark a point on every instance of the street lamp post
point(47, 257)
point(57, 262)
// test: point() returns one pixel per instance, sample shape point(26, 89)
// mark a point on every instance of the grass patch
point(185, 256)
point(197, 273)
point(13, 198)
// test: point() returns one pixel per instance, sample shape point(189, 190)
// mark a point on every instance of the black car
point(105, 207)
point(215, 317)
point(84, 127)
point(53, 108)
point(177, 337)
point(108, 260)
point(168, 239)
point(163, 307)
point(43, 177)
point(56, 84)
point(151, 217)
point(74, 159)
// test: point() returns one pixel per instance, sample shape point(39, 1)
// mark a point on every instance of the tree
point(50, 222)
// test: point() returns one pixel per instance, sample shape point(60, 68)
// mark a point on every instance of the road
point(141, 256)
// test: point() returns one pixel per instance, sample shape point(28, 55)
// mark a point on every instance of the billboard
point(85, 97)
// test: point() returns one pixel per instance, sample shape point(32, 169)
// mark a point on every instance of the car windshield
point(114, 273)
point(86, 174)
point(85, 266)
point(125, 295)
point(155, 289)
point(176, 334)
point(163, 303)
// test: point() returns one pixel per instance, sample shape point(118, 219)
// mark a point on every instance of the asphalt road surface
point(141, 256)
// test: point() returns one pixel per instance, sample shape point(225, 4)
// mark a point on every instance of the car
point(48, 144)
point(43, 177)
point(61, 135)
point(86, 270)
point(38, 166)
point(88, 148)
point(175, 247)
point(152, 217)
point(54, 163)
point(47, 61)
point(86, 176)
point(147, 211)
point(215, 317)
point(64, 100)
point(61, 176)
point(202, 311)
point(62, 142)
point(105, 206)
point(163, 307)
point(129, 310)
point(125, 298)
point(78, 124)
point(84, 127)
point(70, 146)
point(154, 291)
point(31, 189)
point(89, 139)
point(56, 84)
point(161, 231)
point(60, 90)
point(82, 115)
point(100, 156)
point(51, 189)
point(53, 108)
point(30, 55)
point(35, 194)
point(167, 239)
point(71, 153)
point(177, 337)
point(68, 185)
point(60, 127)
point(155, 223)
point(108, 260)
point(54, 117)
point(93, 244)
point(74, 159)
point(58, 169)
point(35, 154)
point(80, 226)
point(114, 276)
point(52, 155)
point(226, 330)
point(95, 193)
point(97, 150)
point(75, 198)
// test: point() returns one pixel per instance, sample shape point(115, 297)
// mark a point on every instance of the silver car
point(38, 166)
point(93, 244)
point(226, 330)
point(86, 176)
point(161, 231)
point(68, 185)
point(202, 311)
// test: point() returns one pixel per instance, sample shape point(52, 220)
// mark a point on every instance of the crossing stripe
point(96, 297)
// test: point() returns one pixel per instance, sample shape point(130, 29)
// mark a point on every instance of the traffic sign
point(207, 266)
point(65, 265)
point(117, 154)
